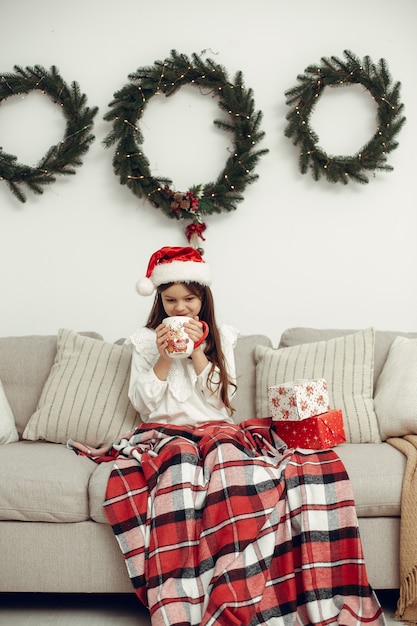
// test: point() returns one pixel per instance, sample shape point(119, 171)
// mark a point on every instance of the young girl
point(181, 391)
point(220, 523)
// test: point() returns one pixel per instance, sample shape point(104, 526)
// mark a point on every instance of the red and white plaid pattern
point(222, 525)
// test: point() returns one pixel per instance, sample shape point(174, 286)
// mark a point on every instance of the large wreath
point(332, 72)
point(131, 164)
point(61, 158)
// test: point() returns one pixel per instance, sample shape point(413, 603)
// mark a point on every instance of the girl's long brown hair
point(213, 349)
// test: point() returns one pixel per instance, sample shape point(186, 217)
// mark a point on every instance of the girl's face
point(177, 299)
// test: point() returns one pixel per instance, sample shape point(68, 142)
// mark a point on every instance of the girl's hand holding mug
point(184, 335)
point(162, 336)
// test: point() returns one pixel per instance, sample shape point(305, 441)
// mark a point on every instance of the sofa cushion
point(347, 365)
point(8, 432)
point(97, 491)
point(25, 363)
point(383, 341)
point(396, 391)
point(376, 473)
point(85, 396)
point(43, 482)
point(377, 490)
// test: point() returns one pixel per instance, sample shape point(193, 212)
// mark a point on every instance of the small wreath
point(333, 72)
point(132, 166)
point(61, 158)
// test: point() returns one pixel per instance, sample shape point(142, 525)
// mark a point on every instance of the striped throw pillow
point(85, 396)
point(347, 365)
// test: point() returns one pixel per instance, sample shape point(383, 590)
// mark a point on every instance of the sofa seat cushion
point(375, 470)
point(43, 482)
point(376, 473)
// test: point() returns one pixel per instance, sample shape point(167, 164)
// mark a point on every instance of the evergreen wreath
point(132, 166)
point(60, 158)
point(332, 72)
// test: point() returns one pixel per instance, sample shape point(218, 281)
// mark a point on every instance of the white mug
point(180, 345)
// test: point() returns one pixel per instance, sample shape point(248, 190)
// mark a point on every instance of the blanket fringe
point(408, 593)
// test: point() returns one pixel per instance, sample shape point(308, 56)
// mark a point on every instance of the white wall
point(295, 252)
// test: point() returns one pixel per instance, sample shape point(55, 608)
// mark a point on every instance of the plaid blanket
point(223, 525)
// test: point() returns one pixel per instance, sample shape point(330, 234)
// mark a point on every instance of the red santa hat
point(174, 265)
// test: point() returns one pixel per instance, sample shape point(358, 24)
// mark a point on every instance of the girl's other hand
point(194, 329)
point(162, 334)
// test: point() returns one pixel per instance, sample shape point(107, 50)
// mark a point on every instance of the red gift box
point(314, 433)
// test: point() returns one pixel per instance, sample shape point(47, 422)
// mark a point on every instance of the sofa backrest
point(25, 363)
point(244, 399)
point(383, 341)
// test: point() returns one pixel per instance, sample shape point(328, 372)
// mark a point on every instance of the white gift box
point(299, 399)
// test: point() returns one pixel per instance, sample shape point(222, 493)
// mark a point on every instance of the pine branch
point(63, 157)
point(243, 123)
point(304, 96)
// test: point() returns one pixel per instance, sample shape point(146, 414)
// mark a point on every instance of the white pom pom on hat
point(145, 287)
point(174, 265)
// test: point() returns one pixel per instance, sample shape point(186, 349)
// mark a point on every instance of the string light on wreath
point(242, 121)
point(304, 96)
point(62, 158)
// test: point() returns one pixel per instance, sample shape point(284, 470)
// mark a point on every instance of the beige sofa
point(54, 536)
